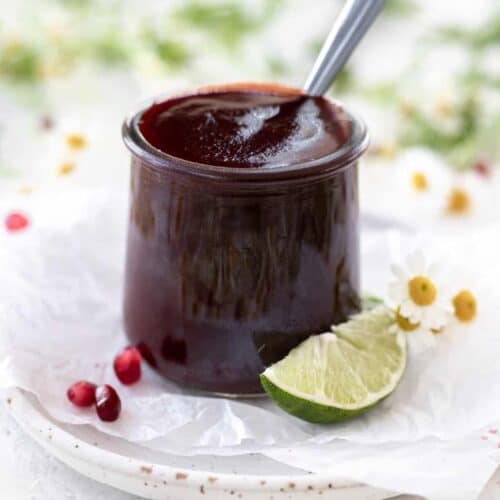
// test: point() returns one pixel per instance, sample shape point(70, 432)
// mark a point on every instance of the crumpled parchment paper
point(60, 321)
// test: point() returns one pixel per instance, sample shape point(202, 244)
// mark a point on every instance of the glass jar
point(228, 269)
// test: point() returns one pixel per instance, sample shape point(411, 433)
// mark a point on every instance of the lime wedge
point(334, 376)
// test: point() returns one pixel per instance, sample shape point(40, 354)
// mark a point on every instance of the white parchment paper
point(437, 470)
point(60, 320)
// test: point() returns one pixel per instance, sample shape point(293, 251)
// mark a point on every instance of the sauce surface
point(246, 129)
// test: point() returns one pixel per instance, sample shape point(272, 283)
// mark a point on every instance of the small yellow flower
point(424, 180)
point(407, 108)
point(459, 201)
point(66, 168)
point(25, 189)
point(422, 290)
point(51, 69)
point(76, 141)
point(419, 181)
point(415, 294)
point(57, 33)
point(465, 305)
point(437, 331)
point(384, 150)
point(404, 323)
point(13, 44)
point(444, 107)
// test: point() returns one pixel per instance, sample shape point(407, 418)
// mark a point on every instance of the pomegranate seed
point(127, 365)
point(483, 168)
point(82, 393)
point(108, 404)
point(16, 221)
point(46, 123)
point(146, 354)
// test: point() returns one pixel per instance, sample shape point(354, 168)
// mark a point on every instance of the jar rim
point(339, 159)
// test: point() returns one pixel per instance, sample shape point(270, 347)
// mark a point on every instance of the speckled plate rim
point(152, 480)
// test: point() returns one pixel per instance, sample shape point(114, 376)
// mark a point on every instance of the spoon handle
point(350, 26)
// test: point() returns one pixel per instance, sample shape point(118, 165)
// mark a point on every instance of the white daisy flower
point(467, 304)
point(416, 294)
point(469, 292)
point(468, 195)
point(419, 339)
point(422, 174)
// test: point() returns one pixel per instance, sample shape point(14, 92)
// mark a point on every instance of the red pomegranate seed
point(16, 221)
point(108, 404)
point(483, 168)
point(127, 365)
point(82, 393)
point(146, 354)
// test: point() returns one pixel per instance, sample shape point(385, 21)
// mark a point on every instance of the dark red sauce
point(224, 276)
point(238, 130)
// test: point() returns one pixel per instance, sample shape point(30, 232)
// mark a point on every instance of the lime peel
point(336, 375)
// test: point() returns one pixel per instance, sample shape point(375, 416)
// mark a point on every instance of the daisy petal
point(435, 269)
point(397, 292)
point(408, 309)
point(421, 341)
point(433, 318)
point(399, 272)
point(416, 263)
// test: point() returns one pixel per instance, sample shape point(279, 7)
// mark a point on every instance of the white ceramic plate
point(161, 476)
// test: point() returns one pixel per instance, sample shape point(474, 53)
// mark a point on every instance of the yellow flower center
point(444, 107)
point(50, 69)
point(407, 108)
point(14, 44)
point(465, 305)
point(419, 181)
point(459, 201)
point(384, 150)
point(437, 331)
point(404, 323)
point(422, 290)
point(76, 141)
point(66, 168)
point(25, 189)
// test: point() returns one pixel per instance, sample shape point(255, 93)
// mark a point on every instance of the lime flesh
point(340, 374)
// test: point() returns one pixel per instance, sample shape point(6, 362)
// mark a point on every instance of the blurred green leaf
point(315, 46)
point(344, 82)
point(174, 54)
point(417, 130)
point(277, 66)
point(382, 93)
point(171, 53)
point(227, 22)
point(477, 38)
point(474, 77)
point(109, 49)
point(75, 3)
point(400, 7)
point(20, 62)
point(271, 8)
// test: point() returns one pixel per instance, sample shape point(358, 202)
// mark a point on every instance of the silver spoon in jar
point(349, 28)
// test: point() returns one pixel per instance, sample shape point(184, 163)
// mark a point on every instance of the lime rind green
point(340, 374)
point(307, 410)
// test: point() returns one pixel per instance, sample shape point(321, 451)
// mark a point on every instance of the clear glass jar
point(227, 268)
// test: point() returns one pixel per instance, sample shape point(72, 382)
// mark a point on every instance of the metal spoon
point(350, 26)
